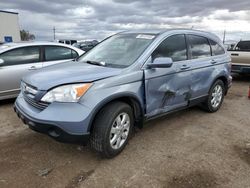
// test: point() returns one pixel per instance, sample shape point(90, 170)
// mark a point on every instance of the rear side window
point(53, 53)
point(173, 47)
point(243, 46)
point(216, 48)
point(199, 47)
point(22, 55)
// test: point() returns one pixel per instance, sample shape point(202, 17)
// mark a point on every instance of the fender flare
point(139, 105)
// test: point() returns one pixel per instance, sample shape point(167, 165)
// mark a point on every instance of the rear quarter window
point(74, 54)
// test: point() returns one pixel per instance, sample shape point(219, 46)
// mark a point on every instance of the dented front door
point(167, 88)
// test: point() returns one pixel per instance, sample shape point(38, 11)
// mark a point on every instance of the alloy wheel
point(119, 131)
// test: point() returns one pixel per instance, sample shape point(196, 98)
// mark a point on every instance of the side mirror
point(1, 62)
point(161, 62)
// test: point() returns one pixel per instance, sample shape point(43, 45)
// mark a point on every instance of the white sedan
point(18, 59)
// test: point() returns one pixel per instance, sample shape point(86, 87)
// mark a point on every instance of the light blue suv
point(127, 79)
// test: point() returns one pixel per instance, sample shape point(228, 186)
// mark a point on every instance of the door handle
point(213, 62)
point(33, 68)
point(234, 54)
point(184, 67)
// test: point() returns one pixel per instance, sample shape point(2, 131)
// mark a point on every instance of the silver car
point(18, 59)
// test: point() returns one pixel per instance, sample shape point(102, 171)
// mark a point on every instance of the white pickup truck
point(240, 55)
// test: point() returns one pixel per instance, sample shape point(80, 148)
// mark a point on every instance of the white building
point(9, 27)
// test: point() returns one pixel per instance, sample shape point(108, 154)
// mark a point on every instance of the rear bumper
point(69, 132)
point(241, 69)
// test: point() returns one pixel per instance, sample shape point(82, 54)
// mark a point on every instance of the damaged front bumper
point(63, 122)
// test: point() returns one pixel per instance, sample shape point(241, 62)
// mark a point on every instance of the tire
point(210, 105)
point(110, 118)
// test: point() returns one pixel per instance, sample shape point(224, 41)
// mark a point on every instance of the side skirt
point(192, 102)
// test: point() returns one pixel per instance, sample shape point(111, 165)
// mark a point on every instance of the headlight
point(66, 93)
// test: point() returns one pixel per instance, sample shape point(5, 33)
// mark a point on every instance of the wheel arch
point(223, 78)
point(131, 99)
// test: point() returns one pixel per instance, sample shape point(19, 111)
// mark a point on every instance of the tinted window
point(199, 47)
point(243, 46)
point(216, 48)
point(53, 53)
point(21, 56)
point(173, 47)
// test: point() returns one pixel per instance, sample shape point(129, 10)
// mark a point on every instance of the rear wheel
point(215, 97)
point(112, 128)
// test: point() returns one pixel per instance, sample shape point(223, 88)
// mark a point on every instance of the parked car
point(240, 55)
point(125, 80)
point(67, 41)
point(86, 45)
point(18, 59)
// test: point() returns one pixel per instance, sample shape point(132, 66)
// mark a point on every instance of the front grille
point(39, 105)
point(29, 96)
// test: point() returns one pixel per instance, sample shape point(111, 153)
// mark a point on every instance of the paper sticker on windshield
point(143, 36)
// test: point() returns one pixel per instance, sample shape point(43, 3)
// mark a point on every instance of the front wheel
point(215, 97)
point(112, 128)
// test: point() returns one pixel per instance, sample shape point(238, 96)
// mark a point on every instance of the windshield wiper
point(101, 63)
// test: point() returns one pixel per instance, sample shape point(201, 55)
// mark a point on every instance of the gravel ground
point(187, 149)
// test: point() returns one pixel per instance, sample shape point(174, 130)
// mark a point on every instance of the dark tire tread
point(101, 128)
point(207, 104)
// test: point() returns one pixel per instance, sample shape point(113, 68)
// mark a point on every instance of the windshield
point(119, 51)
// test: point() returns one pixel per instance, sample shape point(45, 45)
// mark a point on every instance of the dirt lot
point(191, 148)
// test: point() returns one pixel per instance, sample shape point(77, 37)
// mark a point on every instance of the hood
point(67, 73)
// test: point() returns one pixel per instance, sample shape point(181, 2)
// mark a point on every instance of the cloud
point(83, 19)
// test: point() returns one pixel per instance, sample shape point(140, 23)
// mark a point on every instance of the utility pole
point(54, 31)
point(224, 36)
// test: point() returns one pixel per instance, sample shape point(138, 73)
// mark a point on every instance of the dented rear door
point(203, 65)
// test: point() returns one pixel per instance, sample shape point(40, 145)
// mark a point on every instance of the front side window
point(216, 48)
point(120, 50)
point(243, 46)
point(53, 53)
point(24, 55)
point(199, 47)
point(173, 47)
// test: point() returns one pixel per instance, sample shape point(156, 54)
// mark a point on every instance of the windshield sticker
point(142, 36)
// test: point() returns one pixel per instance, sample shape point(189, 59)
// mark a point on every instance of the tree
point(26, 36)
